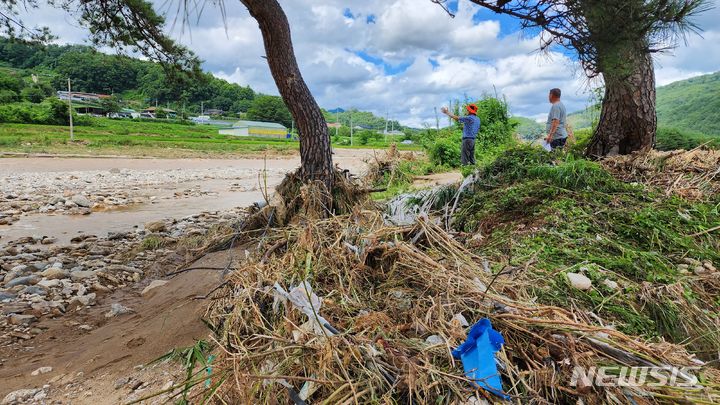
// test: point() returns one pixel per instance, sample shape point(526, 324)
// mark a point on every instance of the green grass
point(142, 138)
point(565, 213)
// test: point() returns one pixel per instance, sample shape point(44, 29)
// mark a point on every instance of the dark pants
point(558, 143)
point(467, 154)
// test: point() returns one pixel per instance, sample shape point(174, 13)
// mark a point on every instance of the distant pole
point(437, 121)
point(351, 129)
point(72, 132)
point(386, 122)
point(202, 108)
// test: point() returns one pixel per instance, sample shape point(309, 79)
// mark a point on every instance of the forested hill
point(132, 79)
point(691, 105)
point(31, 72)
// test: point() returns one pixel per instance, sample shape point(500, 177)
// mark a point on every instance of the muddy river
point(150, 189)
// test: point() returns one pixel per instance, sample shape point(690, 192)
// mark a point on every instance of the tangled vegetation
point(570, 214)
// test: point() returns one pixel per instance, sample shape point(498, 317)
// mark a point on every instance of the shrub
point(8, 96)
point(445, 152)
point(673, 138)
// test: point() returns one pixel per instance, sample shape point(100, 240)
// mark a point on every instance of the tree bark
point(628, 121)
point(315, 153)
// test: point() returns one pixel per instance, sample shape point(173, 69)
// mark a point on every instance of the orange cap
point(471, 108)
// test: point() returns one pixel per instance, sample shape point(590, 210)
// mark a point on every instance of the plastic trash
point(477, 354)
point(546, 145)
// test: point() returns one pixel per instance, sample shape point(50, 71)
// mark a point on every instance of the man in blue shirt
point(471, 126)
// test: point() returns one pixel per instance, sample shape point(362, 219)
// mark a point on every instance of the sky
point(402, 58)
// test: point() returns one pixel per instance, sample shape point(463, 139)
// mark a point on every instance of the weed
point(152, 242)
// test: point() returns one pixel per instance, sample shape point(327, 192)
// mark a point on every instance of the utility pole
point(437, 121)
point(72, 133)
point(351, 129)
point(386, 122)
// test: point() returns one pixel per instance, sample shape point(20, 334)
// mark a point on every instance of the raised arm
point(445, 111)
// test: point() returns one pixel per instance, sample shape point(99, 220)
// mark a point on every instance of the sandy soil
point(167, 317)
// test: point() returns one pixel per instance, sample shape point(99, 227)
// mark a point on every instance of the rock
point(6, 295)
point(20, 396)
point(460, 320)
point(55, 273)
point(155, 226)
point(154, 284)
point(86, 328)
point(48, 241)
point(81, 201)
point(121, 267)
point(708, 265)
point(49, 283)
point(16, 319)
point(81, 301)
point(117, 309)
point(610, 284)
point(579, 281)
point(121, 382)
point(27, 280)
point(16, 272)
point(42, 370)
point(81, 275)
point(34, 289)
point(97, 287)
point(699, 270)
point(434, 340)
point(117, 235)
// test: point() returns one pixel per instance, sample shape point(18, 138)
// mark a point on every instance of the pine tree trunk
point(628, 120)
point(315, 152)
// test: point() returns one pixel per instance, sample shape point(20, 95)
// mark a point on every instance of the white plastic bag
point(546, 145)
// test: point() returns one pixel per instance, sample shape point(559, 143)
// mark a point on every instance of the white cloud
point(472, 58)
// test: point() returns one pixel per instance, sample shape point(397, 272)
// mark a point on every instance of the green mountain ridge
point(690, 105)
point(31, 73)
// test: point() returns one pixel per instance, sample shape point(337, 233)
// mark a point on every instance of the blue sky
point(405, 57)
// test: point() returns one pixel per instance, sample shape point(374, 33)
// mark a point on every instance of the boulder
point(26, 280)
point(55, 273)
point(155, 226)
point(42, 370)
point(81, 301)
point(18, 319)
point(610, 284)
point(81, 201)
point(81, 275)
point(154, 284)
point(21, 396)
point(579, 281)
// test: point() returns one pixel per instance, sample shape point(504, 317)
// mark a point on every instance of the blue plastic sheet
point(478, 357)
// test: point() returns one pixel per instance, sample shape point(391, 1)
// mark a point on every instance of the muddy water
point(218, 194)
point(64, 227)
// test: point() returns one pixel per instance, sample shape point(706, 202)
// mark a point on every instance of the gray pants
point(467, 154)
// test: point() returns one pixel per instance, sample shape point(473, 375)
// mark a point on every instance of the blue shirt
point(471, 126)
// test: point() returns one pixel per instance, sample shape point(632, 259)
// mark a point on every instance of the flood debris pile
point(691, 174)
point(650, 259)
point(387, 304)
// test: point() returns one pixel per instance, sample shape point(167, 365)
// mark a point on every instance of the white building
point(256, 128)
